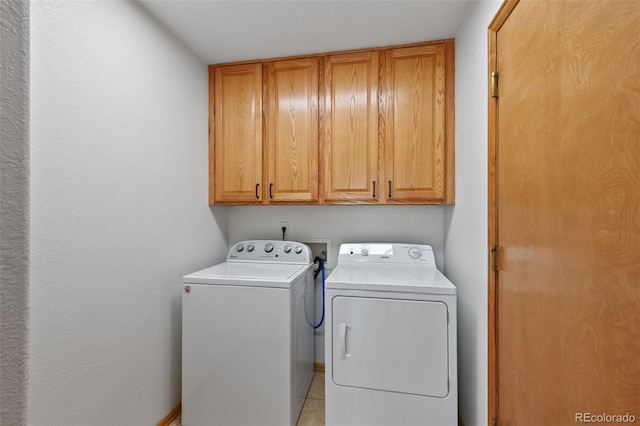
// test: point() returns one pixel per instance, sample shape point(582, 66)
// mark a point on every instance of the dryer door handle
point(342, 330)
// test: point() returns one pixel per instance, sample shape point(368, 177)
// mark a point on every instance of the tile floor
point(312, 410)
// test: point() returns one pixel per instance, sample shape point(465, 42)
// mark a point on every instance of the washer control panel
point(270, 251)
point(386, 253)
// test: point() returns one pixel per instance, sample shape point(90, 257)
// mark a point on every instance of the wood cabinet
point(291, 117)
point(371, 126)
point(417, 110)
point(265, 148)
point(350, 128)
point(235, 161)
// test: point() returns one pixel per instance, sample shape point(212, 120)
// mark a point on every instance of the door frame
point(496, 24)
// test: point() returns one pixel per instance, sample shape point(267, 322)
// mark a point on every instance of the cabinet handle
point(374, 189)
point(389, 189)
point(257, 186)
point(270, 188)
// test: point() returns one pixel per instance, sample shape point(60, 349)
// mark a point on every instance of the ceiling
point(221, 31)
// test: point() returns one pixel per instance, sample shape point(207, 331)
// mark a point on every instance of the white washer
point(247, 336)
point(390, 338)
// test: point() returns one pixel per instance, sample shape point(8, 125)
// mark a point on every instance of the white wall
point(466, 221)
point(340, 224)
point(119, 211)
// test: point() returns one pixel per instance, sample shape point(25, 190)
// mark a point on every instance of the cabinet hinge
point(494, 422)
point(493, 257)
point(494, 84)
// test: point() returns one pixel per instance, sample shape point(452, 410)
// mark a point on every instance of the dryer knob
point(268, 248)
point(239, 248)
point(298, 249)
point(415, 252)
point(250, 248)
point(287, 249)
point(364, 252)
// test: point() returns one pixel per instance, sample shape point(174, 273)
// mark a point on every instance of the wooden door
point(418, 99)
point(565, 212)
point(350, 128)
point(291, 117)
point(237, 134)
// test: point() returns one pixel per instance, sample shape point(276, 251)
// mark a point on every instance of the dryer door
point(391, 345)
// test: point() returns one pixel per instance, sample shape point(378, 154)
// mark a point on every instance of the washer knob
point(239, 248)
point(287, 249)
point(298, 249)
point(415, 252)
point(250, 248)
point(268, 247)
point(364, 252)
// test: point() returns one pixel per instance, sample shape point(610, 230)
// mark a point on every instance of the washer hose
point(320, 269)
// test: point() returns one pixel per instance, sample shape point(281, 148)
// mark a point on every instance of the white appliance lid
point(408, 278)
point(248, 274)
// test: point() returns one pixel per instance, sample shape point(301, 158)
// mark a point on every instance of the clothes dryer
point(247, 336)
point(390, 338)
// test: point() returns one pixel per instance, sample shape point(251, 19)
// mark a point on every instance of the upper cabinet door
point(350, 128)
point(237, 134)
point(291, 131)
point(418, 94)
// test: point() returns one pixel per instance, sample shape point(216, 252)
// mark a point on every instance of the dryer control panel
point(270, 251)
point(386, 253)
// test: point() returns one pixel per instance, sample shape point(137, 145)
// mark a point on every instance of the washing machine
point(247, 336)
point(390, 338)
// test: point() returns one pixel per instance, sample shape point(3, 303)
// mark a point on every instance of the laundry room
point(119, 211)
point(108, 203)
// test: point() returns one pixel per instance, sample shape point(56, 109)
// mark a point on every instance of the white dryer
point(247, 336)
point(390, 339)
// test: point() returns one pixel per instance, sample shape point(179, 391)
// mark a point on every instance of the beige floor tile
point(312, 413)
point(316, 391)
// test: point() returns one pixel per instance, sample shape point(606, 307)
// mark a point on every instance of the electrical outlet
point(284, 224)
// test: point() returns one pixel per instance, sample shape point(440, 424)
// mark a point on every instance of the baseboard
point(166, 421)
point(318, 367)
